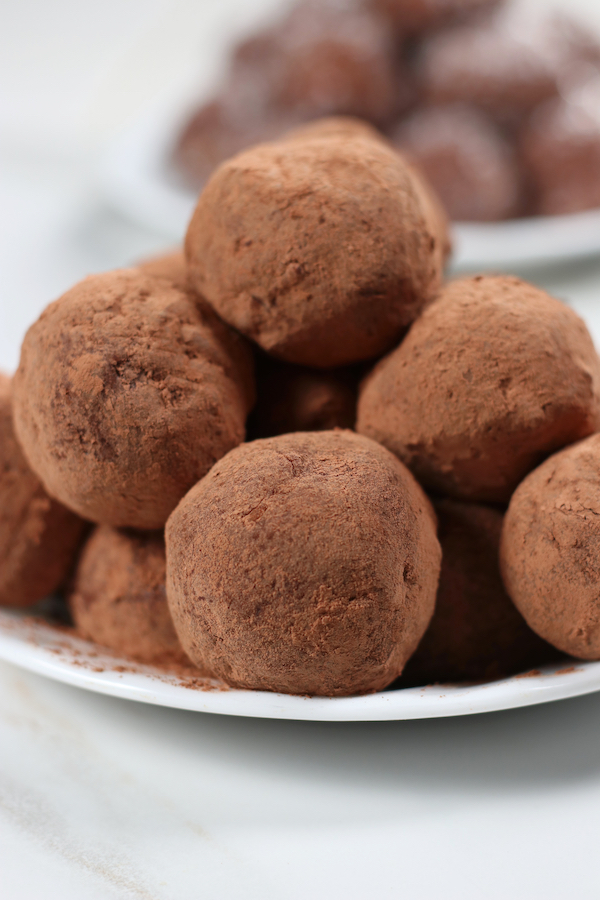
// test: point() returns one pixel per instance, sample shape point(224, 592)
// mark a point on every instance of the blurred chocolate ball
point(561, 149)
point(119, 599)
point(465, 158)
point(39, 537)
point(506, 64)
point(335, 57)
point(325, 57)
point(415, 17)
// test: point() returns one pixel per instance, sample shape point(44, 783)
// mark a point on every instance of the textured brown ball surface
point(124, 398)
point(119, 599)
point(38, 536)
point(349, 128)
point(476, 633)
point(493, 377)
point(550, 551)
point(173, 268)
point(321, 251)
point(305, 563)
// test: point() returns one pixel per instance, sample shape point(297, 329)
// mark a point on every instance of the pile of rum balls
point(497, 101)
point(296, 459)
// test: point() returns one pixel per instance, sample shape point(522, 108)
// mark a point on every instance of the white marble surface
point(103, 799)
point(107, 799)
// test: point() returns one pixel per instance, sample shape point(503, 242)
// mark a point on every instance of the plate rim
point(37, 647)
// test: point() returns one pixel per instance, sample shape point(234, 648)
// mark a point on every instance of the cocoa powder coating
point(236, 350)
point(306, 563)
point(38, 536)
point(493, 377)
point(124, 398)
point(550, 550)
point(476, 633)
point(118, 597)
point(322, 251)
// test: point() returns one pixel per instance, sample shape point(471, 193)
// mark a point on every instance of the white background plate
point(55, 654)
point(139, 181)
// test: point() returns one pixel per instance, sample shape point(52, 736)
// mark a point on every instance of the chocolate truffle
point(506, 64)
point(550, 549)
point(348, 127)
point(465, 158)
point(561, 149)
point(476, 633)
point(119, 599)
point(336, 565)
point(295, 398)
point(334, 56)
point(493, 377)
point(124, 398)
point(414, 17)
point(321, 251)
point(38, 537)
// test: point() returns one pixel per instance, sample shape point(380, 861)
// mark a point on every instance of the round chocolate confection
point(336, 57)
point(476, 633)
point(295, 398)
point(415, 17)
point(349, 128)
point(124, 398)
point(561, 149)
point(38, 536)
point(322, 251)
point(493, 377)
point(336, 565)
point(506, 64)
point(465, 158)
point(550, 549)
point(118, 598)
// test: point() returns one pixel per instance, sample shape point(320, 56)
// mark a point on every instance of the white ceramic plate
point(43, 649)
point(139, 181)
